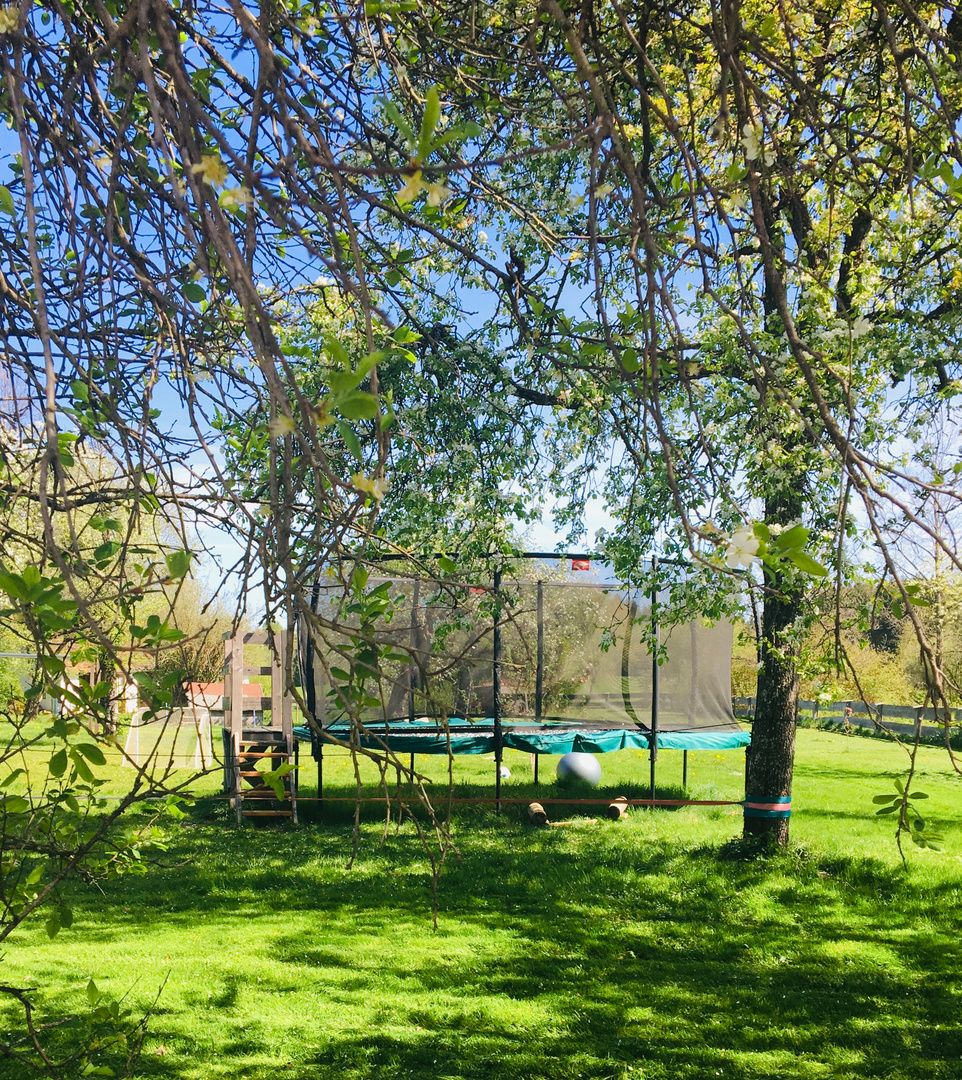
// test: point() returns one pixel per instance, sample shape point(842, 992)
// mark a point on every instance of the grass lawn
point(602, 950)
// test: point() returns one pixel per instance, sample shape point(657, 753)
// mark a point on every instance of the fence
point(903, 719)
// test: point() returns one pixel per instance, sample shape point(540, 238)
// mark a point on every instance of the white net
point(173, 739)
point(572, 651)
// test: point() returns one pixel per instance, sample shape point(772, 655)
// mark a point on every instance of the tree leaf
point(351, 441)
point(432, 114)
point(83, 769)
point(629, 360)
point(178, 563)
point(6, 202)
point(806, 563)
point(793, 538)
point(358, 406)
point(92, 752)
point(397, 118)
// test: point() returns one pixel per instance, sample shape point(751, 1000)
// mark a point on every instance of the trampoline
point(547, 657)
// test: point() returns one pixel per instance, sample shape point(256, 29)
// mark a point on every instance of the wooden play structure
point(259, 733)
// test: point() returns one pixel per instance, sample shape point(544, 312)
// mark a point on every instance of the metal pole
point(415, 602)
point(684, 769)
point(654, 673)
point(496, 690)
point(320, 773)
point(539, 675)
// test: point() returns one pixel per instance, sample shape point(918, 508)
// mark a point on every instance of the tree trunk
point(771, 756)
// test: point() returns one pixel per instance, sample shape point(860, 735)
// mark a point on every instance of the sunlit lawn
point(593, 948)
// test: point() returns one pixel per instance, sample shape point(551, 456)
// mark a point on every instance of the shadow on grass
point(474, 803)
point(600, 951)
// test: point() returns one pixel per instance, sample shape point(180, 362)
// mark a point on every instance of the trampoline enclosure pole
point(415, 604)
point(539, 673)
point(654, 673)
point(496, 689)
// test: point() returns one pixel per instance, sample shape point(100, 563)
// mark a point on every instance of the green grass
point(597, 950)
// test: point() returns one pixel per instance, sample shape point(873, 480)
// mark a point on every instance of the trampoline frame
point(380, 735)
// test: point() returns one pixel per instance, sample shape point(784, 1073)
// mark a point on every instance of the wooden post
point(235, 684)
point(536, 814)
point(294, 775)
point(619, 808)
point(277, 680)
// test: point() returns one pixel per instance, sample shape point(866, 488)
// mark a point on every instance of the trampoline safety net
point(571, 652)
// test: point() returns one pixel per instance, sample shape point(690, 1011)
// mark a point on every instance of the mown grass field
point(593, 949)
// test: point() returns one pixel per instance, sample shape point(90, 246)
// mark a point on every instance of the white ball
point(505, 772)
point(585, 767)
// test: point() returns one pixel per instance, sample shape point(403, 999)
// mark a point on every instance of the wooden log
point(536, 814)
point(618, 809)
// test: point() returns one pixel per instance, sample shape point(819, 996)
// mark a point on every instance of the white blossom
point(413, 186)
point(438, 194)
point(742, 548)
point(751, 140)
point(376, 486)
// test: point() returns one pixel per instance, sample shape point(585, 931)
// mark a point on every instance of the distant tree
point(204, 622)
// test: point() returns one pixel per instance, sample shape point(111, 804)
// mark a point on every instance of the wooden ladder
point(253, 744)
